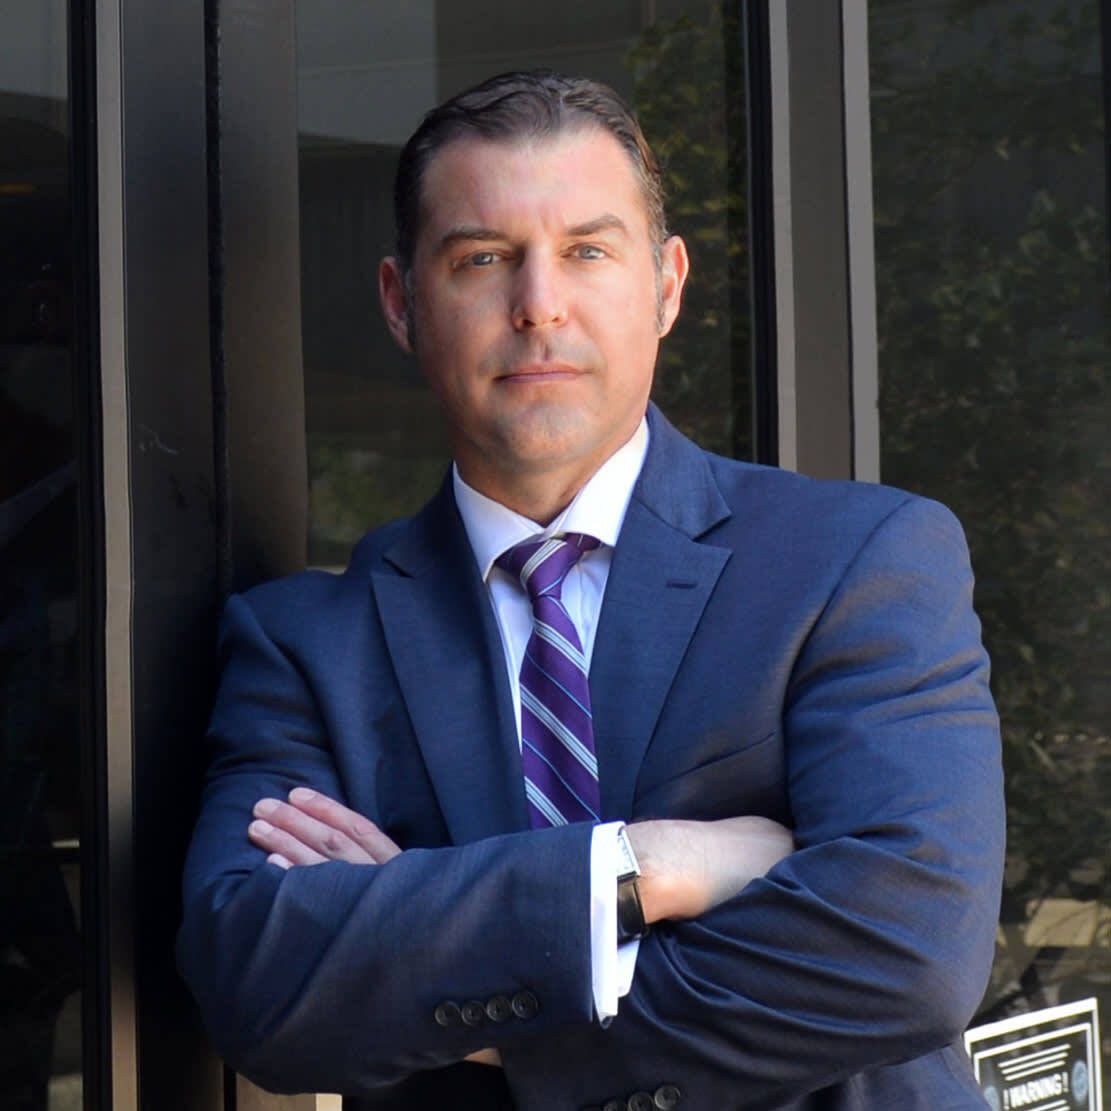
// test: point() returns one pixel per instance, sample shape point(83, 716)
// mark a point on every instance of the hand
point(311, 828)
point(689, 867)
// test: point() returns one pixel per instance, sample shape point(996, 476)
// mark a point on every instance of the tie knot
point(542, 565)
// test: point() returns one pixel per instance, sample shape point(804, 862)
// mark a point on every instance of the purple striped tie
point(557, 735)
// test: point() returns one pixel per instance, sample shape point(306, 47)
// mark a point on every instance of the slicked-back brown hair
point(524, 105)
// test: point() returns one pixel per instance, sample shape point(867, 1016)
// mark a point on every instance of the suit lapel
point(447, 655)
point(659, 583)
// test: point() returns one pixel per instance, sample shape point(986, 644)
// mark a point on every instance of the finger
point(485, 1057)
point(362, 831)
point(281, 843)
point(324, 840)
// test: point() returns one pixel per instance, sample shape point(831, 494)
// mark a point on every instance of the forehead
point(570, 178)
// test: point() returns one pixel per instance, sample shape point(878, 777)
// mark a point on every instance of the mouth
point(539, 373)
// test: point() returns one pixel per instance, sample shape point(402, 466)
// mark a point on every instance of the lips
point(540, 372)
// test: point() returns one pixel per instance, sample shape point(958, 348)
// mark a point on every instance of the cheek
point(634, 325)
point(450, 351)
point(642, 306)
point(462, 324)
point(440, 331)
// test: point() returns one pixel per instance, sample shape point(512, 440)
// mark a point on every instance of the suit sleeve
point(328, 977)
point(871, 944)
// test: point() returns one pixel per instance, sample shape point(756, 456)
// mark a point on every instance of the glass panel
point(40, 949)
point(989, 140)
point(367, 73)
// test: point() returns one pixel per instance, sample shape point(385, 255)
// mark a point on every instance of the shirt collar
point(598, 509)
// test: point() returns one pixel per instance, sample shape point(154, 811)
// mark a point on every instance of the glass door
point(993, 280)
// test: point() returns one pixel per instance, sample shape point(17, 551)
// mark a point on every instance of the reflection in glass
point(40, 952)
point(367, 73)
point(989, 144)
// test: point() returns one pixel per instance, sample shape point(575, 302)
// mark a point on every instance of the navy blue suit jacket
point(768, 644)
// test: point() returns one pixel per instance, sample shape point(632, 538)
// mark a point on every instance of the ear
point(395, 302)
point(674, 267)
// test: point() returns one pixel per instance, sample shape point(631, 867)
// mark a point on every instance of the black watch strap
point(630, 911)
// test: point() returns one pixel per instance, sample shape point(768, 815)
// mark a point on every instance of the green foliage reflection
point(689, 97)
point(992, 274)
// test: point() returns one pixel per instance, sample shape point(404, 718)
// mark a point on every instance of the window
point(989, 145)
point(41, 946)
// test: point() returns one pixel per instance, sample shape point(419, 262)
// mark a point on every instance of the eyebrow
point(469, 233)
point(474, 233)
point(606, 222)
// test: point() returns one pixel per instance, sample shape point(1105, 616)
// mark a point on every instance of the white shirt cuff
point(611, 965)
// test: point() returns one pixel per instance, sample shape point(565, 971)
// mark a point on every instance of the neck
point(541, 500)
point(539, 489)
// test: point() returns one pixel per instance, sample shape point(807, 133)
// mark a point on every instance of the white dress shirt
point(598, 510)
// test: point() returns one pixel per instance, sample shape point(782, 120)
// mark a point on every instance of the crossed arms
point(688, 867)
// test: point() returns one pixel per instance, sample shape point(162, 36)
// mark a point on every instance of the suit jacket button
point(447, 1013)
point(525, 1005)
point(613, 1105)
point(667, 1097)
point(498, 1008)
point(473, 1012)
point(640, 1101)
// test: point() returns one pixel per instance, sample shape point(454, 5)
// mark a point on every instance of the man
point(404, 880)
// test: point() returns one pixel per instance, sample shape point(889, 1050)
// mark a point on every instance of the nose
point(539, 294)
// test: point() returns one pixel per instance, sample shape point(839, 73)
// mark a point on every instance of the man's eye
point(482, 258)
point(589, 251)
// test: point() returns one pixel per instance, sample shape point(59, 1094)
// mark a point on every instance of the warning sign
point(1043, 1061)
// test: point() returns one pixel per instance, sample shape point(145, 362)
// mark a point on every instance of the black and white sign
point(1043, 1061)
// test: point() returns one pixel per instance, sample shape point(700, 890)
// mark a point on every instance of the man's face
point(536, 307)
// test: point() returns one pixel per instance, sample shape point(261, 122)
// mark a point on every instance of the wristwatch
point(630, 911)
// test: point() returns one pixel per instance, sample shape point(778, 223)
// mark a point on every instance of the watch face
point(628, 862)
